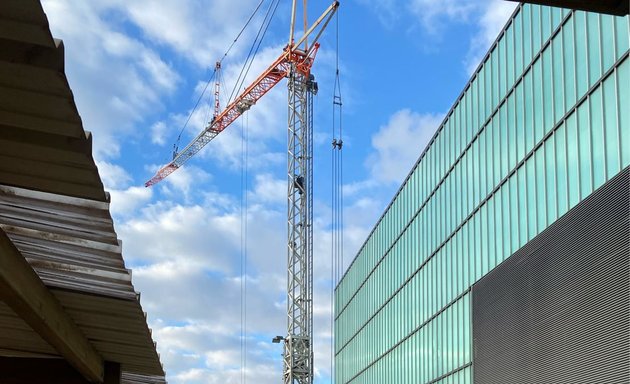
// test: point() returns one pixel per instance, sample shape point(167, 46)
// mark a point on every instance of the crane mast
point(295, 63)
point(298, 345)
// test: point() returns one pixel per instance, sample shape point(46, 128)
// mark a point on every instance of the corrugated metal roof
point(42, 142)
point(71, 244)
point(53, 206)
point(128, 378)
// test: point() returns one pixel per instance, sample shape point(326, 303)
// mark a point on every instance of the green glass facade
point(544, 121)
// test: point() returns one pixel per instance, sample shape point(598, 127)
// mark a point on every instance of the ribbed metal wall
point(558, 310)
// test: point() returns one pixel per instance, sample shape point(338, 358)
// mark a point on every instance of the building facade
point(541, 131)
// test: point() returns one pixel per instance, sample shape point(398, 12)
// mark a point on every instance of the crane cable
point(337, 197)
point(214, 72)
point(244, 221)
point(253, 50)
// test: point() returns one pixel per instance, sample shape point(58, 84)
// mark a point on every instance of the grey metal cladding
point(558, 310)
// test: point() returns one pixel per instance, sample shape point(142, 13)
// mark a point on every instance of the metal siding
point(558, 310)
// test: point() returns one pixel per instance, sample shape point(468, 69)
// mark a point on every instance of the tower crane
point(295, 63)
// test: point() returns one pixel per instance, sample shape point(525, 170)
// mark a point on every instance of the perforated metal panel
point(558, 310)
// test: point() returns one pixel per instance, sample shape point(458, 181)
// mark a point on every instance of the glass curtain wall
point(544, 121)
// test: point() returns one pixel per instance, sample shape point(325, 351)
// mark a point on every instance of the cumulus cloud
point(399, 143)
point(195, 29)
point(126, 202)
point(113, 175)
point(193, 252)
point(158, 133)
point(124, 199)
point(119, 78)
point(387, 11)
point(434, 14)
point(268, 189)
point(492, 20)
point(183, 183)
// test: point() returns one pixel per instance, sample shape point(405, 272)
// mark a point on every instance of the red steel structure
point(264, 83)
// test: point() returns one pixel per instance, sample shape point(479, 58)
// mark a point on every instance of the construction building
point(68, 310)
point(504, 256)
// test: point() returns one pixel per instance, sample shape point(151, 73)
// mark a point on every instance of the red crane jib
point(278, 70)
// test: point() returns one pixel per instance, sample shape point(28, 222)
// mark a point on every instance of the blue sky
point(137, 68)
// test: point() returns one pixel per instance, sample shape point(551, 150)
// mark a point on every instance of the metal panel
point(38, 114)
point(71, 244)
point(53, 206)
point(558, 310)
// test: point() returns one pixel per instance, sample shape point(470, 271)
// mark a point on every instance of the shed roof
point(42, 141)
point(53, 206)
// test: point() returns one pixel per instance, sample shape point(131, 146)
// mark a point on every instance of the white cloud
point(182, 184)
point(118, 80)
point(434, 14)
point(193, 252)
point(113, 176)
point(387, 11)
point(358, 187)
point(158, 133)
point(493, 18)
point(195, 29)
point(124, 203)
point(399, 144)
point(268, 189)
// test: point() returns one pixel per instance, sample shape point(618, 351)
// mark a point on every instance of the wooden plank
point(23, 291)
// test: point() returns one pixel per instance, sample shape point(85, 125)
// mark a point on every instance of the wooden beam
point(27, 370)
point(23, 291)
point(20, 370)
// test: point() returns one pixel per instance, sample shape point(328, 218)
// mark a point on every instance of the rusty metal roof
point(53, 206)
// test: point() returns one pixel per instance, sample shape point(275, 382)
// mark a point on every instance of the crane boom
point(267, 80)
point(278, 70)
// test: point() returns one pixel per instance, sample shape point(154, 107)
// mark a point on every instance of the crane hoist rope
point(336, 254)
point(244, 223)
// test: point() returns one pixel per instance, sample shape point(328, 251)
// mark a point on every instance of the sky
point(138, 67)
